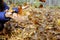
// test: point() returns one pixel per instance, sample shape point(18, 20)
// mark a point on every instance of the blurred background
point(34, 22)
point(47, 3)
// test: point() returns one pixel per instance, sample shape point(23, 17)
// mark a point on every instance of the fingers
point(14, 16)
point(8, 14)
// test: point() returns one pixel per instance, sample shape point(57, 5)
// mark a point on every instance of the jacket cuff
point(4, 18)
point(16, 10)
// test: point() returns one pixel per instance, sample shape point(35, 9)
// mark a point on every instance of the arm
point(2, 16)
point(6, 7)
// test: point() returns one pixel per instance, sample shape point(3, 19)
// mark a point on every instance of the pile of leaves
point(39, 24)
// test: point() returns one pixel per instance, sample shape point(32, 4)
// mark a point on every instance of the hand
point(14, 15)
point(8, 14)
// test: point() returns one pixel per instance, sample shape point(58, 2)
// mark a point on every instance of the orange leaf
point(20, 9)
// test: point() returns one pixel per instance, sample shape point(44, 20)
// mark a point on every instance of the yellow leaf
point(58, 21)
point(10, 9)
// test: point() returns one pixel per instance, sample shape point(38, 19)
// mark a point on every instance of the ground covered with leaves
point(39, 24)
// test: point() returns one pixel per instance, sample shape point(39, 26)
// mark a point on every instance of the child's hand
point(8, 14)
point(14, 15)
